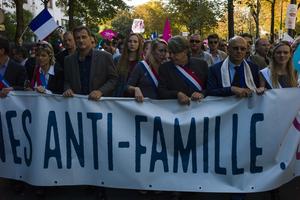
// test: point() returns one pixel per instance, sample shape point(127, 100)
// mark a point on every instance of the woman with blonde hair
point(131, 55)
point(280, 73)
point(47, 76)
point(143, 80)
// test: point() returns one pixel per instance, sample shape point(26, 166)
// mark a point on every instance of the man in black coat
point(12, 74)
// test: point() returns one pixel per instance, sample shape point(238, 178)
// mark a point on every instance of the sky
point(135, 2)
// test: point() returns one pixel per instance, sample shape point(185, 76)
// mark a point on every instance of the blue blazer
point(214, 82)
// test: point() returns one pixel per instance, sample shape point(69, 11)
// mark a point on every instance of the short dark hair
point(178, 44)
point(67, 33)
point(22, 51)
point(248, 35)
point(80, 28)
point(213, 36)
point(4, 44)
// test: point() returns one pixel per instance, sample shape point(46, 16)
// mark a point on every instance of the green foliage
point(154, 15)
point(122, 23)
point(93, 12)
point(196, 15)
point(11, 24)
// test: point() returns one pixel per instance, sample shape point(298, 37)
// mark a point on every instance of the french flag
point(43, 24)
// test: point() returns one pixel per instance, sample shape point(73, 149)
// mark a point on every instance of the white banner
point(291, 14)
point(138, 26)
point(216, 145)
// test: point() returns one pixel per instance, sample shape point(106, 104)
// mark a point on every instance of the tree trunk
point(272, 21)
point(45, 2)
point(71, 15)
point(20, 21)
point(230, 19)
point(257, 17)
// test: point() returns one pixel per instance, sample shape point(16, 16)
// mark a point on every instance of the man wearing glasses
point(235, 75)
point(197, 51)
point(213, 43)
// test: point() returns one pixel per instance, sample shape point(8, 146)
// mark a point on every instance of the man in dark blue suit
point(12, 74)
point(234, 75)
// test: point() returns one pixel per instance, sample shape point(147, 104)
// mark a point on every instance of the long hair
point(291, 72)
point(123, 65)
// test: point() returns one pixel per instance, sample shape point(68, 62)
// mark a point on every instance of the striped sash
point(153, 77)
point(190, 78)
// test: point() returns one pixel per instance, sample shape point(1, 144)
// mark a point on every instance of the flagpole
point(20, 39)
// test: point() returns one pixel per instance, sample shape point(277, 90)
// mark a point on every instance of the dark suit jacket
point(258, 60)
point(55, 82)
point(171, 83)
point(30, 66)
point(15, 75)
point(103, 75)
point(60, 57)
point(214, 82)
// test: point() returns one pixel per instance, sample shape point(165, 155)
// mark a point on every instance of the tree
point(45, 3)
point(196, 15)
point(11, 25)
point(255, 7)
point(230, 10)
point(91, 12)
point(272, 32)
point(122, 23)
point(153, 14)
point(20, 21)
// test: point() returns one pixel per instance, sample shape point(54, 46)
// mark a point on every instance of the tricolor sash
point(266, 72)
point(153, 76)
point(3, 82)
point(40, 79)
point(190, 78)
point(247, 74)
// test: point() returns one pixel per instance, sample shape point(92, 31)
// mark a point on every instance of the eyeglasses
point(213, 42)
point(195, 41)
point(239, 48)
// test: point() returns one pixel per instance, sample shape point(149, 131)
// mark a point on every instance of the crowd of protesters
point(182, 68)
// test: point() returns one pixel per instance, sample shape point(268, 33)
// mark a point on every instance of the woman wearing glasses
point(143, 80)
point(280, 73)
point(47, 76)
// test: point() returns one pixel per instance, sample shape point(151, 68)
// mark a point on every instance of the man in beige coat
point(88, 71)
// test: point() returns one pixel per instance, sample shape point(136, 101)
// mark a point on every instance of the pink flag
point(108, 34)
point(167, 34)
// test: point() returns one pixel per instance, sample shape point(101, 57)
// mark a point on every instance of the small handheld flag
point(296, 59)
point(3, 82)
point(167, 34)
point(108, 34)
point(43, 24)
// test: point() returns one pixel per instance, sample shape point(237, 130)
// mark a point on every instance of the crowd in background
point(186, 69)
point(181, 68)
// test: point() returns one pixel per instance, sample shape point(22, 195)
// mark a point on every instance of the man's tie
point(236, 78)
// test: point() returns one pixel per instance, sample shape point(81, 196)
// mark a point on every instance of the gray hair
point(178, 44)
